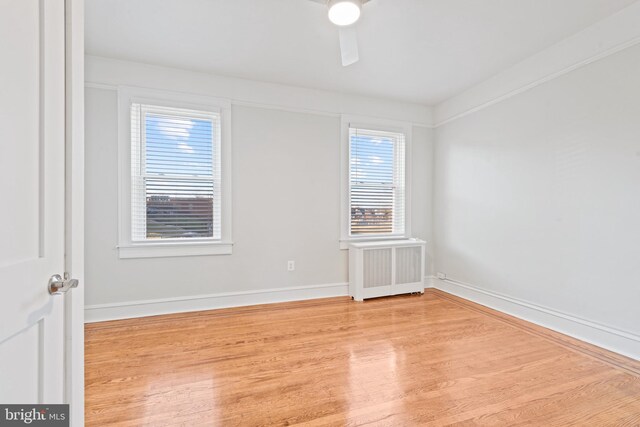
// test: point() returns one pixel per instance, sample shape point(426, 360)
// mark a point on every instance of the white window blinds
point(175, 171)
point(376, 182)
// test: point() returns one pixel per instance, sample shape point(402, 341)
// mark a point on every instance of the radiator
point(384, 268)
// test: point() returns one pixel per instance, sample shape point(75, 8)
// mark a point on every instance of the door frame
point(74, 208)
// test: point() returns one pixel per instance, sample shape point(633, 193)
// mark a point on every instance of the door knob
point(59, 285)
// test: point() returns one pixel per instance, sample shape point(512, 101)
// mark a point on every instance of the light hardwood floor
point(414, 360)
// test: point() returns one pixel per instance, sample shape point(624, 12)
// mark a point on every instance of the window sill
point(344, 243)
point(173, 249)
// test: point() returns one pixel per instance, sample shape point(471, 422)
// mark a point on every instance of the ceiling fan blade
point(349, 45)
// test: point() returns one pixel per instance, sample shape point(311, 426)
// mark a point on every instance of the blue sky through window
point(178, 145)
point(371, 159)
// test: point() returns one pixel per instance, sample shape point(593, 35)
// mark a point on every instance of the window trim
point(173, 247)
point(349, 121)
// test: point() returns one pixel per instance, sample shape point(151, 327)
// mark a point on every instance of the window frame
point(127, 247)
point(367, 123)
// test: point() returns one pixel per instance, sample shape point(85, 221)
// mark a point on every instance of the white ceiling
point(422, 51)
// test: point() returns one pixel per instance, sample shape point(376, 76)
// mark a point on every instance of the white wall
point(537, 202)
point(286, 192)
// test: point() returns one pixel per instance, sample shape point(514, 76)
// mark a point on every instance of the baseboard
point(429, 282)
point(133, 309)
point(607, 337)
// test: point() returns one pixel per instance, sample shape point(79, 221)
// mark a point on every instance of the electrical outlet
point(441, 276)
point(291, 265)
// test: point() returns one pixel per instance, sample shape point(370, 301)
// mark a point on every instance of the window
point(175, 182)
point(376, 182)
point(375, 203)
point(175, 173)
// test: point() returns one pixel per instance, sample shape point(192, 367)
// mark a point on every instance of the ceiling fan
point(344, 14)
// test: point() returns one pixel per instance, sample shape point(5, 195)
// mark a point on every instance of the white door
point(32, 198)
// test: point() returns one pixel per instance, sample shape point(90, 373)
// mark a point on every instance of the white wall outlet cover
point(291, 265)
point(441, 276)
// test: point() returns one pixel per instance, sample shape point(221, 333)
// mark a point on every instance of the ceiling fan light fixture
point(344, 12)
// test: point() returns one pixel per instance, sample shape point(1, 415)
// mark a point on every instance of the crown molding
point(606, 37)
point(110, 73)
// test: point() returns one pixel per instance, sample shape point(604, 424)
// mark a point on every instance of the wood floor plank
point(411, 360)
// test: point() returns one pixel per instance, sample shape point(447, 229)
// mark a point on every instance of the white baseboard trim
point(607, 337)
point(429, 282)
point(133, 309)
point(143, 308)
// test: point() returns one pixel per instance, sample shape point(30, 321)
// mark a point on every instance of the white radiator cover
point(384, 268)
